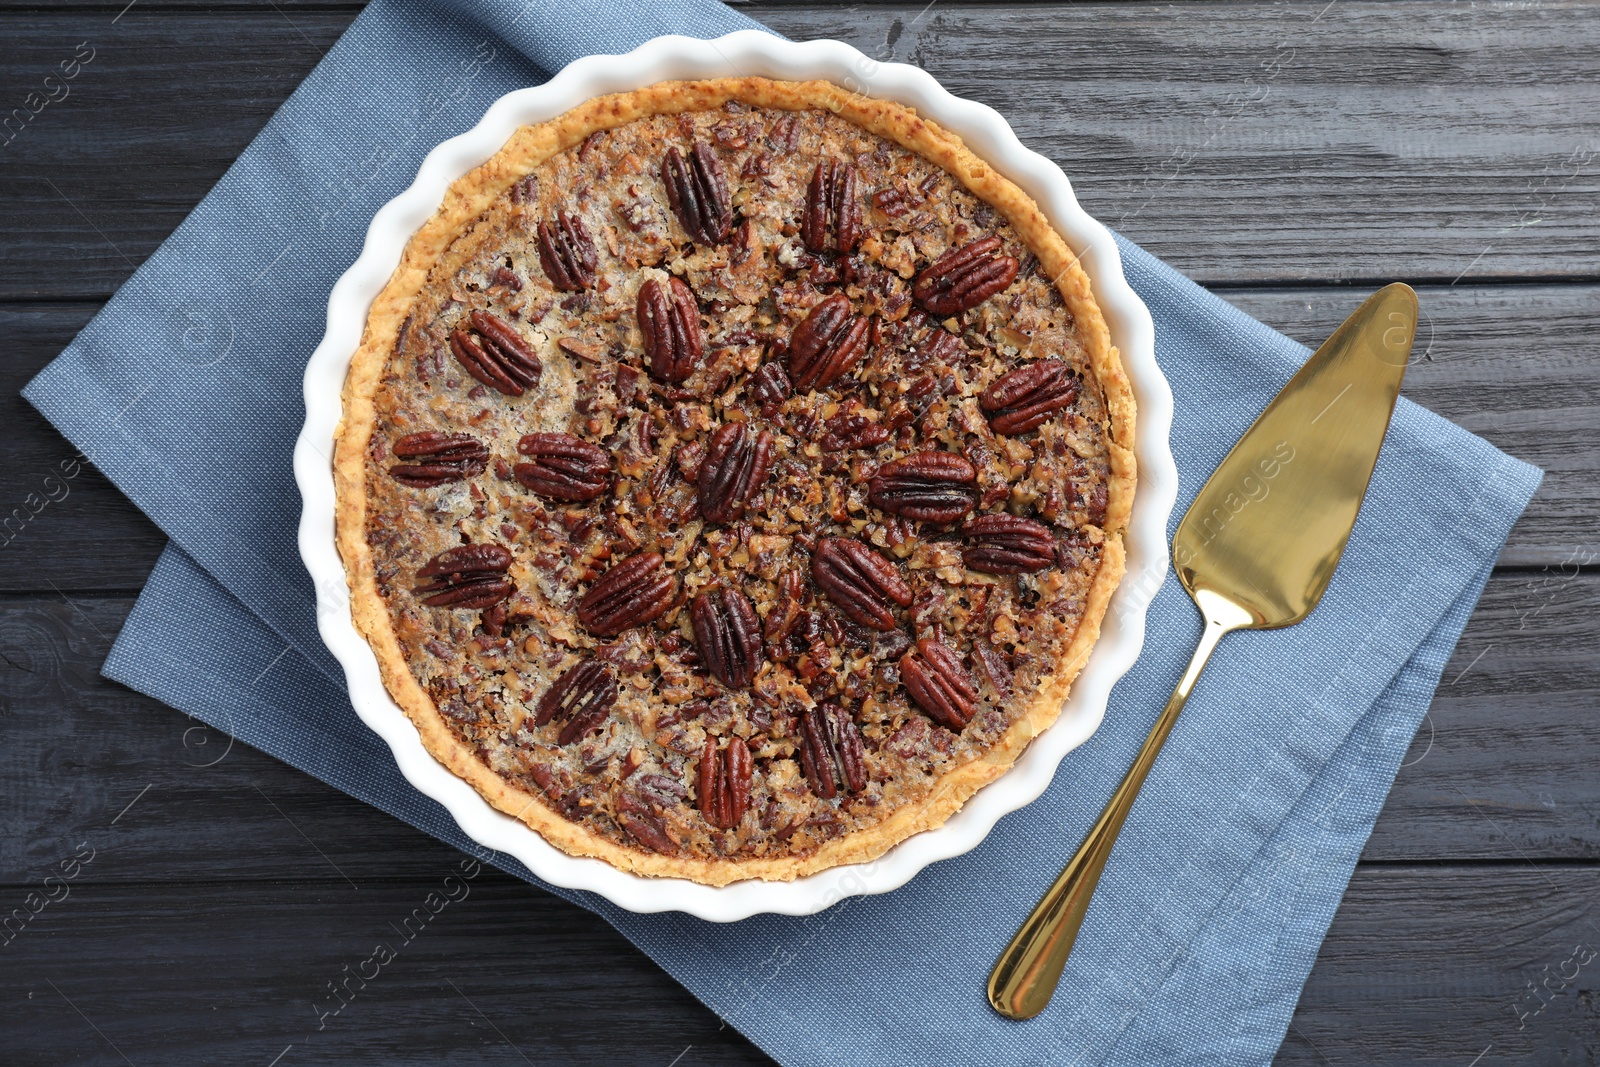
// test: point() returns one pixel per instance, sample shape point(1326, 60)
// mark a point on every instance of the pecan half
point(830, 341)
point(1022, 399)
point(636, 591)
point(563, 467)
point(995, 666)
point(495, 354)
point(493, 620)
point(832, 205)
point(697, 189)
point(645, 825)
point(862, 583)
point(467, 576)
point(926, 486)
point(769, 388)
point(437, 458)
point(727, 633)
point(669, 318)
point(940, 685)
point(526, 190)
point(581, 698)
point(566, 253)
point(1007, 544)
point(852, 432)
point(830, 742)
point(735, 467)
point(724, 783)
point(964, 277)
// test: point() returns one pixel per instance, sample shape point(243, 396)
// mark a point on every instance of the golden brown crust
point(468, 198)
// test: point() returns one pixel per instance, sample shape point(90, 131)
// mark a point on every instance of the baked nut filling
point(728, 488)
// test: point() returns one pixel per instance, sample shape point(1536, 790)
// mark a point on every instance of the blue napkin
point(185, 390)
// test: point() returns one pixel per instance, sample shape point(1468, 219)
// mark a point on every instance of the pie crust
point(443, 245)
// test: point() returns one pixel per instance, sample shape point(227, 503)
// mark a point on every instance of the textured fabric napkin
point(185, 390)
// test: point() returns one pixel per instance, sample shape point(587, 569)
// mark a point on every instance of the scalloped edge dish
point(677, 58)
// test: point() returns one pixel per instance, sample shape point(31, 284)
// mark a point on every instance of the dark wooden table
point(1292, 156)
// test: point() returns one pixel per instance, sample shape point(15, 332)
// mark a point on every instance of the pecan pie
point(733, 477)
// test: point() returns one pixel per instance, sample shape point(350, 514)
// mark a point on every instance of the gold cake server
point(1256, 551)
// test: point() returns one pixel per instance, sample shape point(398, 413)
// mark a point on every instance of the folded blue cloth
point(185, 390)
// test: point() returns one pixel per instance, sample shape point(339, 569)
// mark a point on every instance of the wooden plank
point(96, 181)
point(1503, 766)
point(1513, 363)
point(497, 972)
point(62, 523)
point(1508, 773)
point(1424, 965)
point(1246, 143)
point(1249, 142)
point(1438, 965)
point(91, 748)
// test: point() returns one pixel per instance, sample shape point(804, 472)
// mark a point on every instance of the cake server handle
point(1025, 977)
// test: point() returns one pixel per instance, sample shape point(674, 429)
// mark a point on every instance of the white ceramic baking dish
point(744, 53)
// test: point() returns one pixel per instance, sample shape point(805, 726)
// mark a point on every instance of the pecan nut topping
point(863, 584)
point(645, 825)
point(724, 782)
point(832, 209)
point(964, 277)
point(526, 190)
point(769, 388)
point(936, 680)
point(636, 591)
point(852, 433)
point(995, 666)
point(563, 467)
point(495, 354)
point(830, 341)
point(494, 620)
point(727, 633)
point(733, 471)
point(697, 189)
point(669, 318)
point(942, 346)
point(926, 486)
point(581, 698)
point(1007, 544)
point(437, 458)
point(567, 253)
point(467, 576)
point(1022, 399)
point(831, 742)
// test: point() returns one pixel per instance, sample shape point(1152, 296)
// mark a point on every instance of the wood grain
point(504, 975)
point(1501, 772)
point(1268, 142)
point(1245, 143)
point(1513, 363)
point(1432, 965)
point(510, 970)
point(58, 532)
point(1502, 768)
